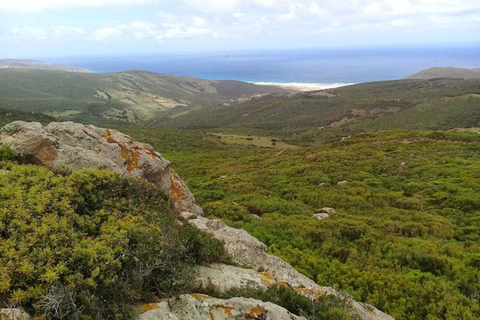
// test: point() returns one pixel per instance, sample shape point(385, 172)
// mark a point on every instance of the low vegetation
point(90, 245)
point(406, 234)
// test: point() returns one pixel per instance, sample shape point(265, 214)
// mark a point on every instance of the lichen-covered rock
point(320, 215)
point(268, 269)
point(73, 146)
point(13, 314)
point(203, 307)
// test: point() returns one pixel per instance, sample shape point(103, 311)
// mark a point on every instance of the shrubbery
point(91, 244)
point(406, 235)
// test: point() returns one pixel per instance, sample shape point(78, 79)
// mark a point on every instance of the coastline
point(300, 86)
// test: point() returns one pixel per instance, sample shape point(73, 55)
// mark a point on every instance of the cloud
point(22, 6)
point(258, 20)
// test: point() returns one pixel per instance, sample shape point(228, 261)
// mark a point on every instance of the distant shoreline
point(300, 86)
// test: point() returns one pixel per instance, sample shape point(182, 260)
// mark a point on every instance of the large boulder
point(74, 146)
point(203, 307)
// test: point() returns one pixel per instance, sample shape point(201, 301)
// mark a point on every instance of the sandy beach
point(305, 86)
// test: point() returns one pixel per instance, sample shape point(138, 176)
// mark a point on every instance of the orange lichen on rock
point(200, 296)
point(256, 312)
point(267, 278)
point(283, 284)
point(108, 136)
point(177, 189)
point(149, 306)
point(131, 159)
point(226, 310)
point(312, 293)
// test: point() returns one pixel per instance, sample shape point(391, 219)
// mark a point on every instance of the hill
point(447, 72)
point(387, 105)
point(131, 96)
point(31, 64)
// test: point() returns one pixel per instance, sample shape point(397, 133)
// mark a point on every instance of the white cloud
point(28, 34)
point(40, 5)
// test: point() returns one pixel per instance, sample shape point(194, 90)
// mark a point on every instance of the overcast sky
point(36, 28)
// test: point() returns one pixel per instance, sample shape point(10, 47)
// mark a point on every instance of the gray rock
point(73, 146)
point(327, 210)
point(321, 215)
point(203, 307)
point(13, 314)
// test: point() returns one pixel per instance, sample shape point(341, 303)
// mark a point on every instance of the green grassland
point(406, 234)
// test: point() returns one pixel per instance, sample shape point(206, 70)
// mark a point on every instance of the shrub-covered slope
point(90, 244)
point(406, 234)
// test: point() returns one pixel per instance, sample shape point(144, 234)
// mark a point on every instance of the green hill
point(131, 96)
point(447, 72)
point(387, 105)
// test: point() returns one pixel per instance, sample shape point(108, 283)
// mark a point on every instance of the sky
point(49, 28)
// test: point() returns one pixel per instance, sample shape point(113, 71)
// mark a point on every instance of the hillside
point(387, 105)
point(131, 96)
point(95, 224)
point(31, 64)
point(404, 233)
point(447, 72)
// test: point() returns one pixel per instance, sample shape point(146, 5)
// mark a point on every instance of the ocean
point(309, 66)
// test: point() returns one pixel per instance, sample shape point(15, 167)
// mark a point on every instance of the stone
point(203, 307)
point(327, 210)
point(339, 183)
point(73, 146)
point(13, 314)
point(321, 215)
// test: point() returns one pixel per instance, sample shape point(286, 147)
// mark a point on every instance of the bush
point(91, 244)
point(7, 154)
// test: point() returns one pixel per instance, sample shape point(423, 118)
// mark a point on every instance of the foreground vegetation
point(406, 234)
point(90, 245)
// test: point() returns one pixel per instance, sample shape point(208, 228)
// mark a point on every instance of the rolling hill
point(387, 105)
point(447, 72)
point(131, 96)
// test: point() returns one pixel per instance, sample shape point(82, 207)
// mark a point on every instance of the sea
point(323, 66)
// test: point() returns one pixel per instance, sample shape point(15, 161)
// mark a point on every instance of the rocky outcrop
point(267, 270)
point(203, 307)
point(73, 146)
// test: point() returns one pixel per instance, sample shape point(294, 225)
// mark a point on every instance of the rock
point(13, 314)
point(321, 215)
point(339, 183)
point(202, 307)
point(73, 146)
point(267, 269)
point(224, 278)
point(327, 210)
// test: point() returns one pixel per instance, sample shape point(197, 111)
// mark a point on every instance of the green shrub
point(7, 154)
point(90, 244)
